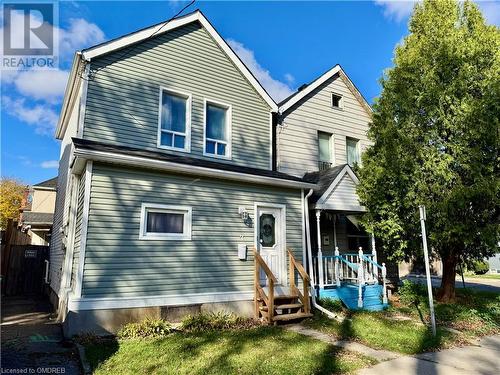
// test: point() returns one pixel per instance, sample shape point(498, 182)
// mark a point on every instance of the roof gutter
point(70, 95)
point(81, 156)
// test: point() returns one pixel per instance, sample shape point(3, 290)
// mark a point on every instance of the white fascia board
point(70, 95)
point(137, 161)
point(310, 88)
point(162, 28)
point(339, 207)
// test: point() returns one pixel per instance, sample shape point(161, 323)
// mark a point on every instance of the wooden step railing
point(259, 293)
point(293, 265)
point(268, 309)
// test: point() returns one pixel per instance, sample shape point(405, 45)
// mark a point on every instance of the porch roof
point(336, 189)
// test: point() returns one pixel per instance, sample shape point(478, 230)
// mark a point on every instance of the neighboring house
point(176, 163)
point(38, 214)
point(494, 263)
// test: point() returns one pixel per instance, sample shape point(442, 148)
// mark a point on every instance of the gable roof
point(86, 55)
point(197, 16)
point(47, 184)
point(328, 181)
point(296, 97)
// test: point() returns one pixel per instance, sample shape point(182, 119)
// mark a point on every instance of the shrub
point(147, 328)
point(479, 267)
point(412, 293)
point(331, 304)
point(215, 321)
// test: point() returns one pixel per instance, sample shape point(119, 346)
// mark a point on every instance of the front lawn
point(261, 350)
point(485, 276)
point(402, 329)
point(378, 330)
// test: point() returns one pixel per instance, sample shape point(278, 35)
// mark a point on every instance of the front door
point(270, 241)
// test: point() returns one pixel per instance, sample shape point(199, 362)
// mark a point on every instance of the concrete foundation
point(109, 321)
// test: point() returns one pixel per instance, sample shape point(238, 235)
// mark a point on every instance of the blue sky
point(285, 44)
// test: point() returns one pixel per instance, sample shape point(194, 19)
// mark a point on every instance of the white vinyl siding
point(299, 132)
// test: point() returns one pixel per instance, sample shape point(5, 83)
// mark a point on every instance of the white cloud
point(42, 117)
point(50, 164)
point(47, 85)
point(396, 9)
point(290, 79)
point(80, 34)
point(277, 89)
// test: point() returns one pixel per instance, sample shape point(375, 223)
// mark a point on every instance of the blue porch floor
point(348, 294)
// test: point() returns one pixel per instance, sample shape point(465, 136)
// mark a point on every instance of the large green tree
point(436, 135)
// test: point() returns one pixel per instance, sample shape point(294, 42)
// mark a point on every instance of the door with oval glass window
point(270, 241)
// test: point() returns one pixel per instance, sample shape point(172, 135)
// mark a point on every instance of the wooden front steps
point(275, 303)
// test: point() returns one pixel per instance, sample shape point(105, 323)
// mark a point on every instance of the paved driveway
point(482, 359)
point(32, 342)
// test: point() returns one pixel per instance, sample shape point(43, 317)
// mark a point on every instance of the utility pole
point(427, 268)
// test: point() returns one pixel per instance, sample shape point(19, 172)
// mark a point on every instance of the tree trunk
point(447, 291)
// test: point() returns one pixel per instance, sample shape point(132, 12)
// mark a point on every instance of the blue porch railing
point(360, 269)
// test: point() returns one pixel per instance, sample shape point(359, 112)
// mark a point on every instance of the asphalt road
point(491, 285)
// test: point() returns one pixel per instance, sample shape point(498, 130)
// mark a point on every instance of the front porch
point(344, 257)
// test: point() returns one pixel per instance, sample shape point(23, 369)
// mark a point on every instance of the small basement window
point(164, 222)
point(336, 100)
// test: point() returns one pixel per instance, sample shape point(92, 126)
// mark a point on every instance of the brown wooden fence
point(22, 264)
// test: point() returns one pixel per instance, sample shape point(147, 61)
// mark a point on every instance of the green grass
point(495, 276)
point(474, 314)
point(262, 350)
point(379, 331)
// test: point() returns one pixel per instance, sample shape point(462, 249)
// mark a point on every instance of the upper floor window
point(353, 155)
point(175, 120)
point(325, 150)
point(336, 100)
point(217, 129)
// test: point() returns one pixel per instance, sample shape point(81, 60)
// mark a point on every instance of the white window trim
point(341, 100)
point(187, 134)
point(229, 121)
point(358, 148)
point(332, 150)
point(155, 207)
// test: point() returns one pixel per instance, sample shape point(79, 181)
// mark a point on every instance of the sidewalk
point(482, 359)
point(32, 342)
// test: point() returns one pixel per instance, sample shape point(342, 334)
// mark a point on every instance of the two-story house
point(176, 164)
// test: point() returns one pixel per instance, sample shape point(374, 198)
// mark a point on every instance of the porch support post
point(374, 258)
point(337, 268)
point(384, 288)
point(334, 230)
point(320, 254)
point(361, 281)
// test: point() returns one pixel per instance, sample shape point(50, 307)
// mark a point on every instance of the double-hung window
point(217, 130)
point(175, 120)
point(164, 222)
point(325, 150)
point(353, 156)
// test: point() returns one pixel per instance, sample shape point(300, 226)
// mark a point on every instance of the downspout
point(309, 254)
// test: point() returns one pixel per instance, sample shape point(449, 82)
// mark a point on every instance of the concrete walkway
point(482, 359)
point(379, 355)
point(32, 342)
